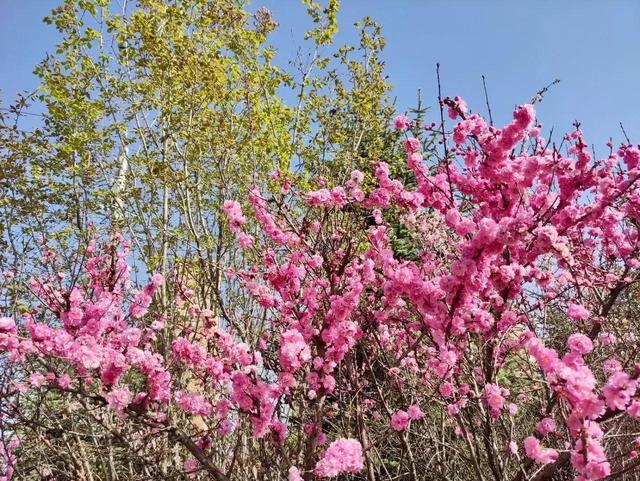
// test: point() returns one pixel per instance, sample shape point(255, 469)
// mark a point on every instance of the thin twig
point(486, 99)
point(444, 136)
point(625, 133)
point(540, 93)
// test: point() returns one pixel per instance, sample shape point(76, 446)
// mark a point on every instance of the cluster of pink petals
point(233, 212)
point(342, 456)
point(538, 453)
point(546, 426)
point(401, 122)
point(494, 397)
point(119, 399)
point(294, 351)
point(193, 403)
point(400, 419)
point(294, 474)
point(577, 312)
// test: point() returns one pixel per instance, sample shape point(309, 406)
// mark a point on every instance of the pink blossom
point(64, 381)
point(446, 389)
point(607, 338)
point(157, 280)
point(513, 447)
point(400, 420)
point(119, 399)
point(233, 211)
point(7, 324)
point(591, 463)
point(546, 426)
point(193, 403)
point(537, 453)
point(191, 466)
point(401, 122)
point(580, 343)
point(634, 409)
point(503, 235)
point(460, 106)
point(37, 379)
point(319, 197)
point(611, 365)
point(294, 351)
point(493, 396)
point(357, 177)
point(577, 312)
point(140, 305)
point(245, 240)
point(8, 458)
point(412, 145)
point(294, 474)
point(414, 412)
point(342, 456)
point(619, 389)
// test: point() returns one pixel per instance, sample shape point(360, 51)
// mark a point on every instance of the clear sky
point(592, 46)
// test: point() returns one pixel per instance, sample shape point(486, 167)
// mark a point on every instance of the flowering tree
point(503, 348)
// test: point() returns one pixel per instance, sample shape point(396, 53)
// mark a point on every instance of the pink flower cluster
point(342, 456)
point(539, 454)
point(401, 419)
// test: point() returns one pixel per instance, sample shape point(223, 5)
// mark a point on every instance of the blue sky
point(593, 47)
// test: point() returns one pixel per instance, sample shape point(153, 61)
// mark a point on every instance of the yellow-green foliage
point(156, 111)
